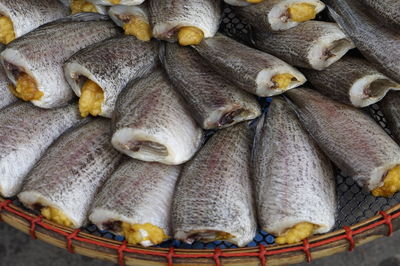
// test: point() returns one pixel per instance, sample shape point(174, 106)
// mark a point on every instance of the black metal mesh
point(354, 203)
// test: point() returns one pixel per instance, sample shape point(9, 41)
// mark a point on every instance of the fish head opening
point(113, 226)
point(147, 147)
point(209, 236)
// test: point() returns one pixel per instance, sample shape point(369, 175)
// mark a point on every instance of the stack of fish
point(156, 98)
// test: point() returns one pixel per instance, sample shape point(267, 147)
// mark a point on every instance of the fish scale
point(386, 9)
point(214, 194)
point(6, 97)
point(390, 106)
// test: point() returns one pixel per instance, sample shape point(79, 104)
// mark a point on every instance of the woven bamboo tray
point(361, 218)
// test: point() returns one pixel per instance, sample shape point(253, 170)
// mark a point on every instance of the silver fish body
point(386, 9)
point(293, 179)
point(111, 64)
point(25, 133)
point(213, 193)
point(27, 15)
point(136, 193)
point(390, 107)
point(39, 55)
point(121, 2)
point(152, 124)
point(6, 97)
point(120, 13)
point(312, 44)
point(352, 81)
point(273, 15)
point(348, 136)
point(237, 2)
point(249, 69)
point(71, 172)
point(214, 101)
point(168, 16)
point(379, 44)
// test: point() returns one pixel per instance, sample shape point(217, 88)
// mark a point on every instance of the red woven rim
point(169, 254)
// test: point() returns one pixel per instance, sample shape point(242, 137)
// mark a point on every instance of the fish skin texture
point(112, 64)
point(27, 15)
point(293, 179)
point(6, 97)
point(203, 89)
point(138, 193)
point(348, 136)
point(379, 44)
point(73, 169)
point(152, 107)
point(214, 190)
point(25, 133)
point(385, 9)
point(140, 11)
point(38, 53)
point(167, 16)
point(390, 106)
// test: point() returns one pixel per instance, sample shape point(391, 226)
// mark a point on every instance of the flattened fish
point(242, 2)
point(98, 73)
point(6, 97)
point(386, 9)
point(152, 124)
point(252, 70)
point(133, 19)
point(79, 6)
point(213, 199)
point(34, 62)
point(136, 202)
point(352, 81)
point(63, 184)
point(379, 44)
point(390, 106)
point(352, 140)
point(312, 44)
point(214, 101)
point(25, 133)
point(278, 15)
point(116, 2)
point(20, 17)
point(189, 22)
point(293, 180)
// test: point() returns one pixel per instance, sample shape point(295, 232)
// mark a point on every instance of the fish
point(64, 182)
point(389, 10)
point(25, 134)
point(277, 15)
point(136, 202)
point(312, 44)
point(256, 72)
point(20, 17)
point(98, 73)
point(6, 97)
point(79, 6)
point(352, 81)
point(294, 184)
point(151, 122)
point(242, 2)
point(187, 22)
point(390, 107)
point(116, 2)
point(379, 44)
point(213, 197)
point(352, 140)
point(34, 62)
point(133, 19)
point(214, 101)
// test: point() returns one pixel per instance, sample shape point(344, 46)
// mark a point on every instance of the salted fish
point(214, 101)
point(25, 133)
point(78, 6)
point(390, 107)
point(293, 180)
point(108, 66)
point(213, 199)
point(133, 19)
point(386, 9)
point(312, 44)
point(352, 81)
point(242, 2)
point(64, 182)
point(6, 97)
point(278, 15)
point(379, 44)
point(186, 21)
point(351, 139)
point(136, 202)
point(20, 17)
point(116, 2)
point(254, 71)
point(151, 122)
point(34, 62)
